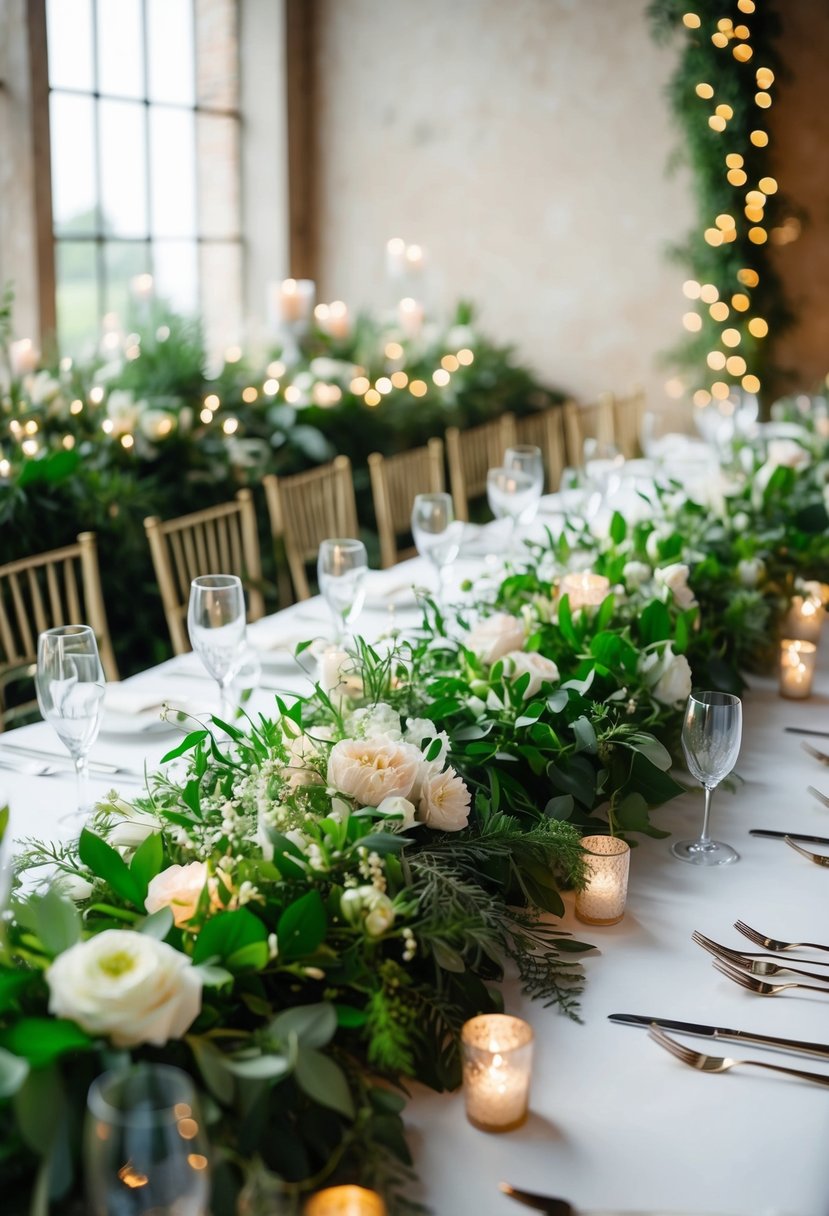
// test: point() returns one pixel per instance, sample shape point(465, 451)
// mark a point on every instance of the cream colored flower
point(444, 802)
point(370, 770)
point(675, 579)
point(400, 810)
point(369, 907)
point(540, 670)
point(668, 676)
point(126, 985)
point(634, 574)
point(178, 888)
point(496, 636)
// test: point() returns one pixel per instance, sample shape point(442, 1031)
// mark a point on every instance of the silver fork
point(706, 1063)
point(771, 943)
point(817, 755)
point(817, 794)
point(760, 986)
point(754, 966)
point(820, 859)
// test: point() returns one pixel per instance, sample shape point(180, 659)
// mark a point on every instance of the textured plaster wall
point(524, 145)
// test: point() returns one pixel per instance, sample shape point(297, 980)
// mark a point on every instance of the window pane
point(120, 46)
point(69, 41)
point(73, 163)
point(77, 296)
point(123, 260)
point(173, 171)
point(175, 268)
point(217, 54)
point(170, 51)
point(221, 279)
point(123, 168)
point(218, 161)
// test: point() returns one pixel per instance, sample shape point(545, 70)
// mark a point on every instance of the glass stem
point(704, 837)
point(225, 701)
point(82, 776)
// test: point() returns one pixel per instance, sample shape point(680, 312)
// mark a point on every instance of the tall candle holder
point(602, 901)
point(805, 618)
point(497, 1059)
point(797, 668)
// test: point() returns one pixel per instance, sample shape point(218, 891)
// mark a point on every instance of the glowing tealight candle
point(396, 258)
point(295, 300)
point(584, 589)
point(602, 901)
point(497, 1059)
point(345, 1201)
point(24, 357)
point(333, 319)
point(805, 619)
point(410, 316)
point(797, 668)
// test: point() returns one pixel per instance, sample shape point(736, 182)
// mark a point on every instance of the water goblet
point(436, 533)
point(511, 493)
point(342, 565)
point(527, 457)
point(70, 692)
point(216, 625)
point(711, 736)
point(145, 1151)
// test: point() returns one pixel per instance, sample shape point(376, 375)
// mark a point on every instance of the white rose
point(444, 802)
point(76, 887)
point(751, 571)
point(540, 670)
point(132, 830)
point(668, 676)
point(787, 452)
point(126, 985)
point(178, 888)
point(741, 521)
point(380, 916)
point(652, 545)
point(375, 722)
point(496, 636)
point(399, 809)
point(635, 574)
point(370, 770)
point(369, 907)
point(420, 731)
point(338, 676)
point(675, 578)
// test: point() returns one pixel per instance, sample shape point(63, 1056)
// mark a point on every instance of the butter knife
point(803, 837)
point(561, 1207)
point(721, 1032)
point(95, 766)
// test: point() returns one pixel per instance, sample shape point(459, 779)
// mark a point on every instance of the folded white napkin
point(141, 698)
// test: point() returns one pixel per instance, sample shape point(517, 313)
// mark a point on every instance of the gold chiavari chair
point(591, 421)
point(545, 430)
point(627, 421)
point(308, 508)
point(59, 587)
point(471, 454)
point(217, 540)
point(395, 480)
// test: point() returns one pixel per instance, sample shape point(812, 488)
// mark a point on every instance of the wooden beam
point(44, 235)
point(300, 47)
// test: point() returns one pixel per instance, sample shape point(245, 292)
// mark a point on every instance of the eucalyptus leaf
point(324, 1081)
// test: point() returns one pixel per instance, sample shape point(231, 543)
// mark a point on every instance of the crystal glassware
point(527, 457)
point(342, 565)
point(216, 624)
point(511, 494)
point(145, 1149)
point(436, 533)
point(711, 736)
point(70, 692)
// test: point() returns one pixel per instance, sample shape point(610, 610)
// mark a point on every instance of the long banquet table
point(616, 1123)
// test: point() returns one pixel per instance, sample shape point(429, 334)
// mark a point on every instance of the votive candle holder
point(797, 668)
point(584, 589)
point(602, 901)
point(345, 1201)
point(805, 618)
point(497, 1062)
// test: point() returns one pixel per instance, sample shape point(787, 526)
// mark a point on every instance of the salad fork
point(771, 943)
point(820, 859)
point(754, 966)
point(706, 1063)
point(746, 980)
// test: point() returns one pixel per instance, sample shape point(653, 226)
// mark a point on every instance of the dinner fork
point(815, 753)
point(820, 859)
point(755, 966)
point(706, 1063)
point(771, 943)
point(760, 986)
point(824, 798)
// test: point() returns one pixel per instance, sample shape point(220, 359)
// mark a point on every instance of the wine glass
point(711, 734)
point(603, 465)
point(145, 1150)
point(436, 533)
point(70, 692)
point(216, 625)
point(511, 493)
point(342, 566)
point(527, 457)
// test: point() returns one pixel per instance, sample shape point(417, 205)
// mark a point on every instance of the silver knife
point(561, 1207)
point(721, 1032)
point(95, 766)
point(801, 836)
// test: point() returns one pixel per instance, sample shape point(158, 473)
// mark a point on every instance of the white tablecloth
point(615, 1122)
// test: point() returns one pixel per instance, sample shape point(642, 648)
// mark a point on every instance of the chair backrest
point(627, 420)
point(308, 508)
point(591, 421)
point(395, 480)
point(217, 540)
point(546, 431)
point(59, 587)
point(471, 454)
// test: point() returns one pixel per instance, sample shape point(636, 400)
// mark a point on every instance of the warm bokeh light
point(705, 91)
point(748, 278)
point(399, 379)
point(716, 122)
point(736, 177)
point(270, 388)
point(713, 236)
point(76, 407)
point(450, 363)
point(692, 322)
point(393, 350)
point(719, 311)
point(372, 397)
point(360, 385)
point(740, 302)
point(249, 394)
point(746, 6)
point(764, 78)
point(96, 395)
point(691, 21)
point(276, 369)
point(465, 357)
point(720, 390)
point(233, 354)
point(230, 426)
point(292, 394)
point(441, 377)
point(742, 52)
point(756, 198)
point(691, 289)
point(759, 138)
point(212, 402)
point(768, 185)
point(708, 293)
point(735, 365)
point(757, 327)
point(758, 236)
point(384, 385)
point(763, 100)
point(751, 384)
point(724, 111)
point(720, 40)
point(702, 397)
point(725, 221)
point(674, 387)
point(418, 388)
point(734, 160)
point(742, 31)
point(716, 360)
point(731, 337)
point(754, 214)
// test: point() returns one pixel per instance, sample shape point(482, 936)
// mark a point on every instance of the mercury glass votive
point(805, 619)
point(602, 902)
point(345, 1201)
point(797, 668)
point(584, 589)
point(497, 1058)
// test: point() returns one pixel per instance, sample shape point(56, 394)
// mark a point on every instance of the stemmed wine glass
point(216, 625)
point(436, 533)
point(711, 735)
point(145, 1150)
point(511, 493)
point(70, 692)
point(528, 458)
point(342, 565)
